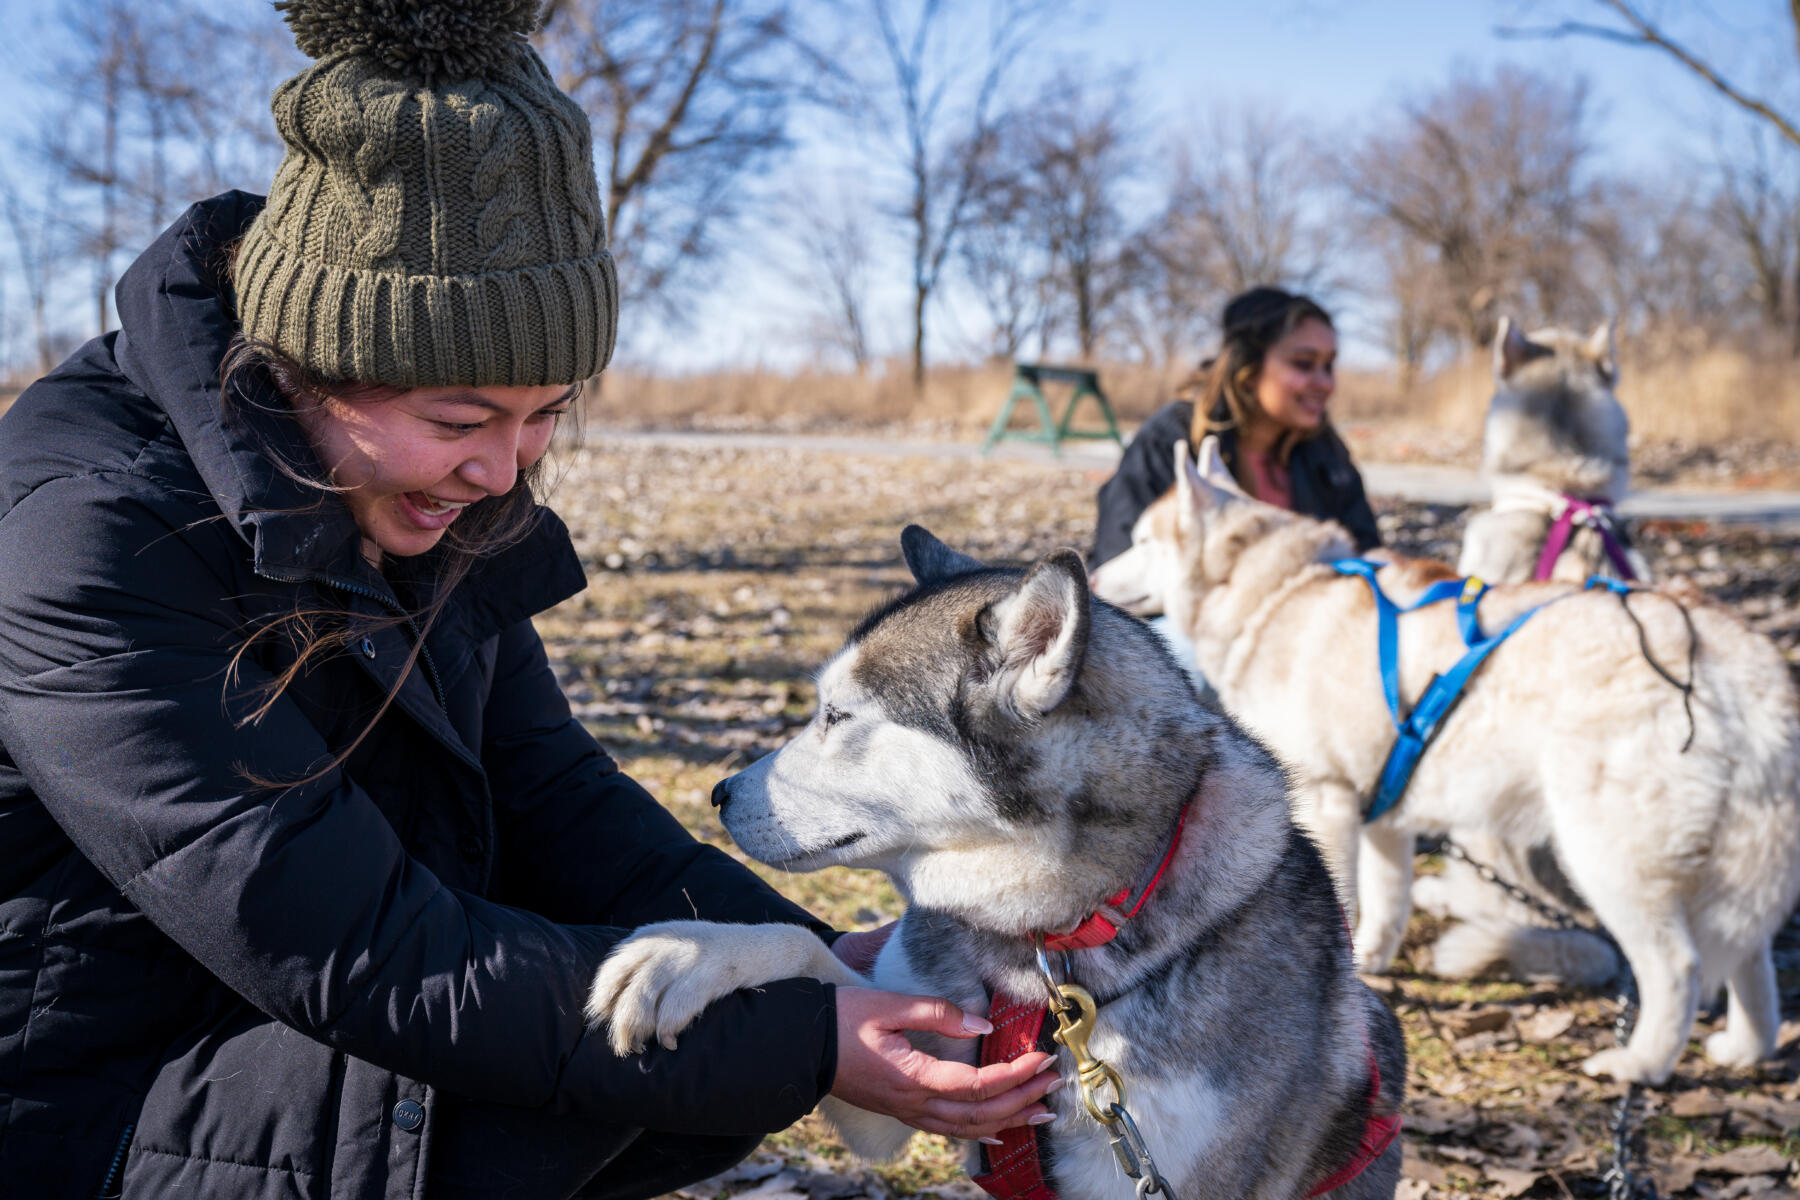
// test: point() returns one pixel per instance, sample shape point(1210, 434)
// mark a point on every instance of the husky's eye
point(833, 715)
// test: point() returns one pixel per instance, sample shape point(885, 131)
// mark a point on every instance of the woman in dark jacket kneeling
point(307, 866)
point(1264, 397)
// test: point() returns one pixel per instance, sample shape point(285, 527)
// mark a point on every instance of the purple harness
point(1596, 514)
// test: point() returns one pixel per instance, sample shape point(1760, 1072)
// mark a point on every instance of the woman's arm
point(116, 639)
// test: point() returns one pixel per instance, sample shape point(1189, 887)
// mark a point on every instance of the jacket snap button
point(368, 647)
point(470, 847)
point(409, 1115)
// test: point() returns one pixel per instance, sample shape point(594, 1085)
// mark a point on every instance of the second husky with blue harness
point(1682, 833)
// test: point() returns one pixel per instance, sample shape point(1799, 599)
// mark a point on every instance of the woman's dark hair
point(1223, 390)
point(315, 632)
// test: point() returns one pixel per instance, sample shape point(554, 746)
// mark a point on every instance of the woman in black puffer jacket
point(308, 867)
point(1264, 397)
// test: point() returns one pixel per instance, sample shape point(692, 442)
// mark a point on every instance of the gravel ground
point(723, 577)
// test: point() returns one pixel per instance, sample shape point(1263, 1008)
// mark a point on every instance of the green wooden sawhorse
point(1028, 381)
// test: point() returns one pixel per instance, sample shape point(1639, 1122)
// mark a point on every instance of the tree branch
point(1643, 33)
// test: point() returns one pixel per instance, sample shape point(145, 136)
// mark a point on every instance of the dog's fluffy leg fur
point(660, 978)
point(1657, 943)
point(1752, 1015)
point(1384, 883)
point(1481, 944)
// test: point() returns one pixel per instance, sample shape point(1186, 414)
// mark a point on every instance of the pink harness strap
point(1596, 514)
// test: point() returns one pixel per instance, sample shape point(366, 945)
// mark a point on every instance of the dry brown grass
point(962, 398)
point(1699, 395)
point(1706, 395)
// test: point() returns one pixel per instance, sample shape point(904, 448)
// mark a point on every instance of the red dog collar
point(1101, 927)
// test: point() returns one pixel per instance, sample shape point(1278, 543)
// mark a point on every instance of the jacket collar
point(176, 323)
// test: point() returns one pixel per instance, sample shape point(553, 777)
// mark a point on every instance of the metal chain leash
point(1628, 1138)
point(1076, 1013)
point(1556, 916)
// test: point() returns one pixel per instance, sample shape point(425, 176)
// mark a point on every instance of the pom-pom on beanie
point(435, 220)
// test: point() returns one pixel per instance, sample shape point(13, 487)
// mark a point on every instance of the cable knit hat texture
point(435, 220)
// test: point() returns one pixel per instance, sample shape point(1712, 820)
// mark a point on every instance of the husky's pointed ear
point(1512, 349)
point(1212, 467)
point(1601, 348)
point(930, 560)
point(1205, 485)
point(1041, 634)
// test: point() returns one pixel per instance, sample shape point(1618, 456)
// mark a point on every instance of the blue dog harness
point(1416, 729)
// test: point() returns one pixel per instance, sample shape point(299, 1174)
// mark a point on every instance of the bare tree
point(1632, 27)
point(939, 108)
point(1664, 263)
point(691, 101)
point(832, 266)
point(1758, 207)
point(1168, 314)
point(1490, 176)
point(134, 132)
point(1244, 202)
point(1076, 150)
point(35, 249)
point(1006, 262)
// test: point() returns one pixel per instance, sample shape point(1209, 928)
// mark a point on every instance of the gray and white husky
point(1684, 840)
point(1011, 752)
point(1554, 430)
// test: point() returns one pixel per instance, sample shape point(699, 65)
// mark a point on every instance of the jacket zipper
point(107, 1190)
point(357, 589)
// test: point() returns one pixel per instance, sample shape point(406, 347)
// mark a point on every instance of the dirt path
point(1428, 483)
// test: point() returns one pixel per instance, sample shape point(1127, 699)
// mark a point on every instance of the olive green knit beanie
point(436, 220)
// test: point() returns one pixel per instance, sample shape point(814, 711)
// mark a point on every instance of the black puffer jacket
point(272, 989)
point(1326, 483)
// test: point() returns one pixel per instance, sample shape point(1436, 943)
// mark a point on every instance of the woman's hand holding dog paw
point(880, 1071)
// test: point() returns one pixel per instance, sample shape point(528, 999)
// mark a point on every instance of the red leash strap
point(1013, 1171)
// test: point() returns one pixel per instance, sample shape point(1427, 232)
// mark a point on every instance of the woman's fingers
point(879, 1070)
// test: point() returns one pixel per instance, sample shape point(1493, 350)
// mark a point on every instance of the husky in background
point(1012, 753)
point(1555, 432)
point(1688, 853)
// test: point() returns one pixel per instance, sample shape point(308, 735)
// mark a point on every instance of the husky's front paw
point(663, 976)
point(635, 991)
point(1621, 1064)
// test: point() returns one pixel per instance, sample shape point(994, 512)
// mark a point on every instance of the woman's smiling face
point(1298, 376)
point(411, 461)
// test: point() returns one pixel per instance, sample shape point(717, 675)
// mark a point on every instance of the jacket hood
point(175, 327)
point(177, 322)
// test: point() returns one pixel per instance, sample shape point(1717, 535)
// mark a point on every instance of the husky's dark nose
point(721, 793)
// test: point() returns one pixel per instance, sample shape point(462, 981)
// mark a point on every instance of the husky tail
point(1574, 956)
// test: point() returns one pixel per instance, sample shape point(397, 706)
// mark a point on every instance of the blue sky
point(1336, 65)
